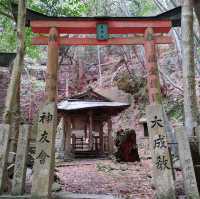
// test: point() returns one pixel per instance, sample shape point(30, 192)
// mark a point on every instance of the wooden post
point(90, 131)
point(162, 168)
point(52, 67)
point(45, 144)
point(18, 186)
point(153, 81)
point(4, 142)
point(101, 137)
point(73, 142)
point(110, 138)
point(85, 130)
point(68, 134)
point(190, 183)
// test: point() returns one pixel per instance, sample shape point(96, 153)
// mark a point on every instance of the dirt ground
point(123, 180)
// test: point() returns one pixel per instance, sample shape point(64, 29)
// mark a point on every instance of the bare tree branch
point(170, 81)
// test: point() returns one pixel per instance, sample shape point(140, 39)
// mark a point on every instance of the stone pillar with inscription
point(18, 185)
point(47, 124)
point(43, 171)
point(162, 165)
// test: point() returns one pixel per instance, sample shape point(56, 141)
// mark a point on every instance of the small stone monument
point(162, 167)
point(45, 153)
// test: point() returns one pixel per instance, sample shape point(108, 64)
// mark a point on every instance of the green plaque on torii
point(102, 31)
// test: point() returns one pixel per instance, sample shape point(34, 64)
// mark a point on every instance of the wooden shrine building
point(84, 117)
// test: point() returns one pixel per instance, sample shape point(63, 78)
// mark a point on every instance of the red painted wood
point(153, 81)
point(89, 27)
point(93, 42)
point(52, 65)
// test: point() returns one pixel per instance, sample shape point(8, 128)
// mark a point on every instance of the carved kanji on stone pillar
point(45, 143)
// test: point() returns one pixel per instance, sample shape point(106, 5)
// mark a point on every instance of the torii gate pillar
point(162, 167)
point(45, 153)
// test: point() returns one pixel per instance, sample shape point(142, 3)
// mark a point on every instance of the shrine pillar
point(110, 137)
point(68, 134)
point(45, 142)
point(153, 81)
point(85, 130)
point(162, 166)
point(90, 130)
point(101, 134)
point(52, 67)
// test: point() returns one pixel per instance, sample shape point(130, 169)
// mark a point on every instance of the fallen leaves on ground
point(125, 180)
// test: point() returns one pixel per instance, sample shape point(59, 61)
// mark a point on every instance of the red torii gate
point(147, 31)
point(147, 28)
point(152, 31)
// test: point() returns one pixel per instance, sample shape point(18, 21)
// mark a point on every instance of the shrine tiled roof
point(89, 99)
point(173, 15)
point(80, 105)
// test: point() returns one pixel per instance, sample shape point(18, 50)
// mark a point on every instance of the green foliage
point(32, 51)
point(53, 7)
point(8, 37)
point(142, 7)
point(5, 8)
point(59, 7)
point(174, 109)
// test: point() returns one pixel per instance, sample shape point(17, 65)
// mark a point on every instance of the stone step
point(64, 195)
point(85, 154)
point(67, 195)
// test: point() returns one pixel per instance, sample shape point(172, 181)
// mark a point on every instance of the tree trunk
point(197, 9)
point(18, 63)
point(15, 121)
point(190, 101)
